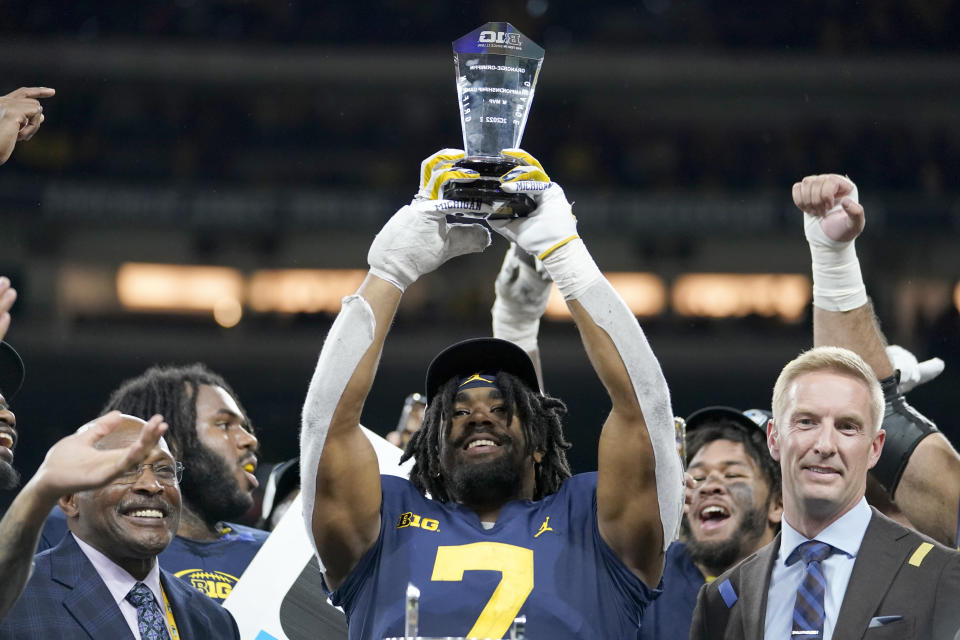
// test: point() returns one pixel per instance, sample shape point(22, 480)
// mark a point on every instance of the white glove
point(833, 218)
point(550, 231)
point(417, 239)
point(912, 372)
point(522, 294)
point(547, 228)
point(552, 224)
point(435, 172)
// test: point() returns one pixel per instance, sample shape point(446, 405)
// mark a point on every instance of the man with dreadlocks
point(209, 432)
point(490, 525)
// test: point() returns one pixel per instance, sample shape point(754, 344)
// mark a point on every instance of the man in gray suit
point(877, 579)
point(838, 569)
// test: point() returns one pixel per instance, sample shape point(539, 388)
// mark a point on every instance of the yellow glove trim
point(432, 162)
point(536, 175)
point(446, 176)
point(557, 246)
point(524, 157)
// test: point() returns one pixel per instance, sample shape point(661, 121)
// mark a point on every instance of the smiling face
point(219, 479)
point(484, 452)
point(825, 442)
point(129, 523)
point(731, 513)
point(9, 477)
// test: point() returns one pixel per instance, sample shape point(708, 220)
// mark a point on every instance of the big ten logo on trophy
point(410, 519)
point(500, 37)
point(214, 584)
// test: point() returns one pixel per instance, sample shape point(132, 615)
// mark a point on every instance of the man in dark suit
point(838, 569)
point(103, 579)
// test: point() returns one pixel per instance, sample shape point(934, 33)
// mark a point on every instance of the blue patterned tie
point(808, 612)
point(150, 619)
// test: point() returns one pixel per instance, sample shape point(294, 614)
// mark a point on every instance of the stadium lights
point(708, 295)
point(644, 293)
point(179, 288)
point(725, 295)
point(302, 290)
point(223, 292)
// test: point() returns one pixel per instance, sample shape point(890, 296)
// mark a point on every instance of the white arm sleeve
point(611, 314)
point(349, 339)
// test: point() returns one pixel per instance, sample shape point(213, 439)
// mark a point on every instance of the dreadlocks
point(170, 391)
point(540, 417)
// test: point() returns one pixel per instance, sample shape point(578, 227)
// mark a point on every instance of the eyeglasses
point(163, 472)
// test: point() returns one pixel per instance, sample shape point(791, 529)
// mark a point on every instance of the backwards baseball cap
point(11, 371)
point(488, 355)
point(750, 419)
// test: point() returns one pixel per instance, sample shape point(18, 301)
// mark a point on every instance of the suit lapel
point(878, 560)
point(192, 621)
point(754, 584)
point(88, 601)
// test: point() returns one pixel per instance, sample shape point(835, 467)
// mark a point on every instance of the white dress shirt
point(119, 583)
point(845, 536)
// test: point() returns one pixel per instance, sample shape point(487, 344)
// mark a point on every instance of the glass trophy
point(497, 69)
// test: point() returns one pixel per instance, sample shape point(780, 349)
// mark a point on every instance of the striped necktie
point(149, 616)
point(808, 612)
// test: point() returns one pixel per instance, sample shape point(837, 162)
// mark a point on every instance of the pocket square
point(882, 621)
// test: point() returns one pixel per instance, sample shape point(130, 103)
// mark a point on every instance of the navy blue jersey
point(669, 616)
point(543, 559)
point(212, 568)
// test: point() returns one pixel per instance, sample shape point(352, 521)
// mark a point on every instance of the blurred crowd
point(177, 134)
point(823, 25)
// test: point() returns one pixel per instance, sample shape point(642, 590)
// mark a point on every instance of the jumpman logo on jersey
point(475, 377)
point(544, 528)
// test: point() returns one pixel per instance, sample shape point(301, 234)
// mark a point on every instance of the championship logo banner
point(279, 596)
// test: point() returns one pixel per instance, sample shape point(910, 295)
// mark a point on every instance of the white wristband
point(572, 268)
point(837, 282)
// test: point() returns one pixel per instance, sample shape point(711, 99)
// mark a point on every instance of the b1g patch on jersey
point(410, 519)
point(214, 584)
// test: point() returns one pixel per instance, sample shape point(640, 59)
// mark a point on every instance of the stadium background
point(260, 136)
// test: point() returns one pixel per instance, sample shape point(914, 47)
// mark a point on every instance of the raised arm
point(73, 464)
point(640, 479)
point(523, 289)
point(340, 476)
point(918, 467)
